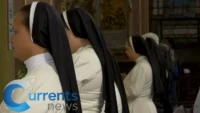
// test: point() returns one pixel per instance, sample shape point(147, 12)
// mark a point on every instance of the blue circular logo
point(7, 96)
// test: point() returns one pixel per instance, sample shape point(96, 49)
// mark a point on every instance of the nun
point(40, 41)
point(143, 80)
point(98, 76)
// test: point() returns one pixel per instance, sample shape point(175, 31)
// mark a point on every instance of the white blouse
point(89, 78)
point(138, 83)
point(138, 87)
point(42, 77)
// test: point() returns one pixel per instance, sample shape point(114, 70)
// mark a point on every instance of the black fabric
point(48, 32)
point(140, 46)
point(159, 69)
point(145, 49)
point(150, 50)
point(83, 26)
point(161, 97)
point(169, 57)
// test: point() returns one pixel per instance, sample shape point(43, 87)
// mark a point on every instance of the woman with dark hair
point(143, 81)
point(98, 75)
point(40, 41)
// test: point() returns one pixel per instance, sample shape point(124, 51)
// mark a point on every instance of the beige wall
point(140, 16)
point(6, 57)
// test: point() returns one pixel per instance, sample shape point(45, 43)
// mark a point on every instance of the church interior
point(176, 22)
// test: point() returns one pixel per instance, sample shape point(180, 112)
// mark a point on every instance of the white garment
point(42, 77)
point(119, 102)
point(89, 78)
point(138, 87)
point(196, 108)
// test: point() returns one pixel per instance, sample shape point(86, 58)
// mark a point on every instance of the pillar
point(6, 56)
point(140, 16)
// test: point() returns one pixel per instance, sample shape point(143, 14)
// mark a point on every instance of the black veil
point(47, 31)
point(82, 25)
point(147, 49)
point(161, 95)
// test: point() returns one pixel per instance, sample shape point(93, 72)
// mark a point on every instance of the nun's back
point(89, 79)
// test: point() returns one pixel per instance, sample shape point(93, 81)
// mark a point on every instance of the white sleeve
point(18, 96)
point(135, 81)
point(84, 72)
point(41, 106)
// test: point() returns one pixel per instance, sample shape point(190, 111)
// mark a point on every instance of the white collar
point(81, 49)
point(140, 58)
point(32, 62)
point(76, 55)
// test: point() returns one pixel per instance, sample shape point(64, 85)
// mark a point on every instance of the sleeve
point(38, 106)
point(18, 96)
point(83, 75)
point(135, 81)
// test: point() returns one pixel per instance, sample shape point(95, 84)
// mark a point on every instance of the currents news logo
point(37, 96)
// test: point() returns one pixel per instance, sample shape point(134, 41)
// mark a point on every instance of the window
point(177, 20)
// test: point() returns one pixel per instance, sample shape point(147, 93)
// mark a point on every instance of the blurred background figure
point(169, 71)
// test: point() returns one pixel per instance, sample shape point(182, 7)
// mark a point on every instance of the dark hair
point(140, 45)
point(26, 12)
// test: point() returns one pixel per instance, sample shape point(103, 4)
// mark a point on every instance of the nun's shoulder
point(45, 78)
point(143, 65)
point(30, 78)
point(41, 74)
point(86, 56)
point(19, 95)
point(89, 54)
